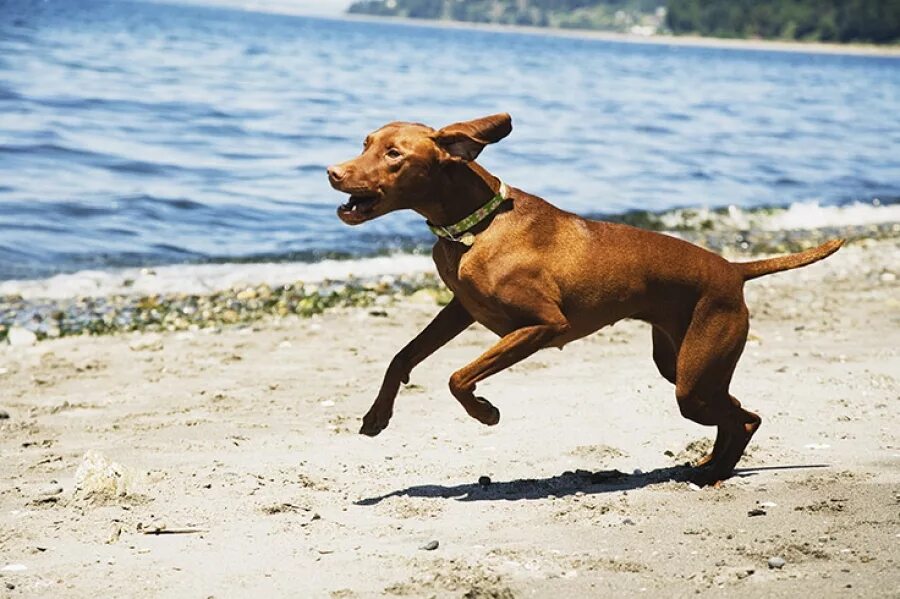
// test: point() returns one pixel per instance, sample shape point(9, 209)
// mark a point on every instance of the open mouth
point(358, 208)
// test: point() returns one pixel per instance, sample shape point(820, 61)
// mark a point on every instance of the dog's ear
point(465, 140)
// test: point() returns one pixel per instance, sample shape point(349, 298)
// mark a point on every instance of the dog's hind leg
point(665, 353)
point(709, 353)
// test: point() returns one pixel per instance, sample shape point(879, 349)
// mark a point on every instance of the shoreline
point(738, 232)
point(210, 297)
point(691, 41)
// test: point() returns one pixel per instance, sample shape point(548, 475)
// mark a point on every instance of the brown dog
point(538, 277)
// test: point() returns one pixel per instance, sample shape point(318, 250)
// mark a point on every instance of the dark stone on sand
point(430, 545)
point(4, 414)
point(484, 480)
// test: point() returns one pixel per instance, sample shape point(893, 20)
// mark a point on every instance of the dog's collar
point(460, 231)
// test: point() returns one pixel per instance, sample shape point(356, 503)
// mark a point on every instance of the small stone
point(50, 490)
point(776, 563)
point(484, 480)
point(148, 342)
point(431, 545)
point(20, 337)
point(14, 568)
point(4, 415)
point(628, 521)
point(756, 512)
point(115, 532)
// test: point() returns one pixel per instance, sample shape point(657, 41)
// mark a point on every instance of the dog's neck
point(464, 188)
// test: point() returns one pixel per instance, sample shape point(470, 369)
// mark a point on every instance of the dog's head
point(398, 164)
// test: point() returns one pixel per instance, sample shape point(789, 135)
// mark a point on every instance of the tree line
point(876, 21)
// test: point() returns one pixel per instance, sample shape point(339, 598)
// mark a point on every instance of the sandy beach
point(225, 462)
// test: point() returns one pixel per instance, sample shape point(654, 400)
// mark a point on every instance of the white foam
point(811, 215)
point(207, 278)
point(800, 215)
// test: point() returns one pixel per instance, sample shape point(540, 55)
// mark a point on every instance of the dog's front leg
point(452, 320)
point(512, 348)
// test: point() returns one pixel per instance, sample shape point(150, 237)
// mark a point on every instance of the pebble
point(50, 490)
point(4, 415)
point(147, 343)
point(776, 562)
point(115, 532)
point(628, 521)
point(431, 545)
point(484, 480)
point(14, 568)
point(20, 337)
point(756, 512)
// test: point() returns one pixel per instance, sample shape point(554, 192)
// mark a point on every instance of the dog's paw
point(374, 422)
point(486, 413)
point(707, 476)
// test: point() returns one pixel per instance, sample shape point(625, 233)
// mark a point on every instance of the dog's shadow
point(562, 485)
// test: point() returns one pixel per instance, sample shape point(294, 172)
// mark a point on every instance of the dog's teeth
point(353, 208)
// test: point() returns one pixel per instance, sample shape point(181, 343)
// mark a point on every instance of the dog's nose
point(335, 173)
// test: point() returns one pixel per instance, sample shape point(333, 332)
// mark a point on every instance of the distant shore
point(888, 51)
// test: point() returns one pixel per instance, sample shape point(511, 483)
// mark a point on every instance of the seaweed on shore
point(181, 312)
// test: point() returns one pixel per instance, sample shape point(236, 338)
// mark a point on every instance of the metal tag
point(467, 239)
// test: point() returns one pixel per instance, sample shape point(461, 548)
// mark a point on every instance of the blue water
point(140, 133)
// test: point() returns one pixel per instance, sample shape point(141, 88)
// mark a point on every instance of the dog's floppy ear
point(465, 140)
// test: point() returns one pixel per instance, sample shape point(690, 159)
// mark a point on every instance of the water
point(138, 133)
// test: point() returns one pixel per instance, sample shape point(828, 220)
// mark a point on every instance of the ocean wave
point(206, 278)
point(797, 216)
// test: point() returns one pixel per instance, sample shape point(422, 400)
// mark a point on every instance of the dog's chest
point(470, 291)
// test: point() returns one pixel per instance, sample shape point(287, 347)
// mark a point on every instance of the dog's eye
point(394, 154)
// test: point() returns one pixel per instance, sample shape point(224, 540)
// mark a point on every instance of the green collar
point(459, 231)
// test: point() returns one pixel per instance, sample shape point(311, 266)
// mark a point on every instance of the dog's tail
point(759, 268)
